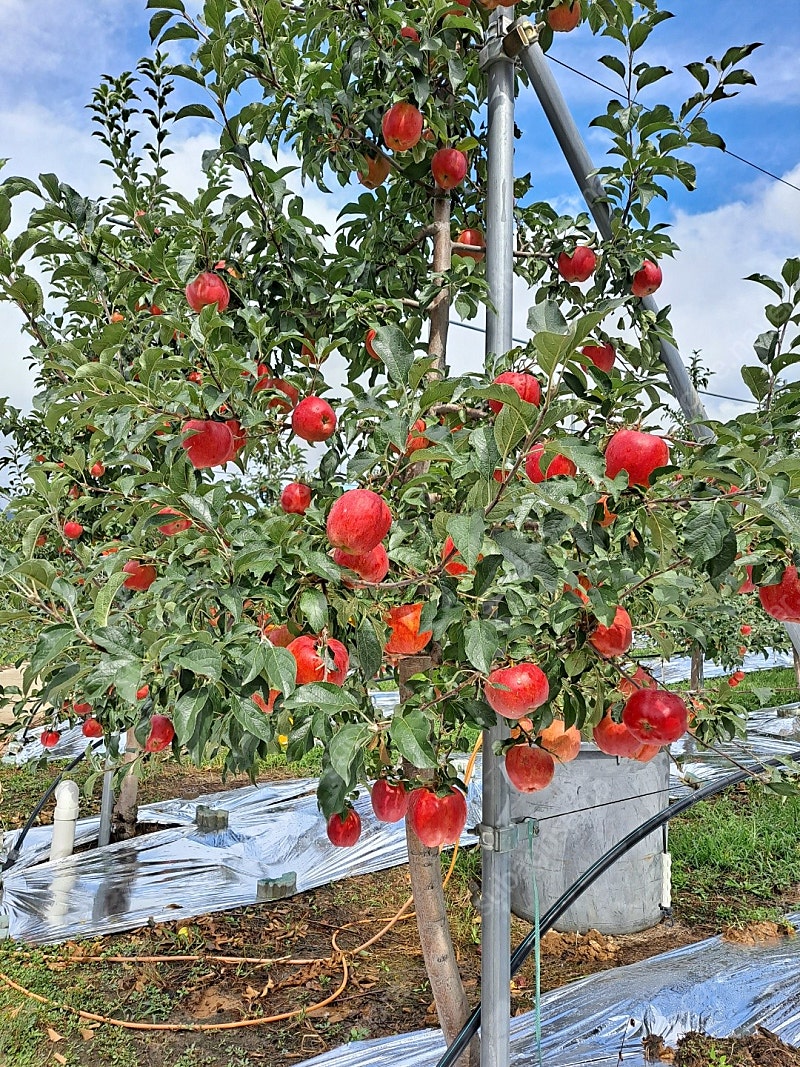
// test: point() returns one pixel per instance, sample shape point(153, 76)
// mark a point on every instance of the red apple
point(782, 601)
point(405, 638)
point(640, 680)
point(565, 16)
point(410, 34)
point(82, 708)
point(97, 470)
point(265, 381)
point(646, 753)
point(559, 466)
point(161, 734)
point(748, 585)
point(49, 738)
point(647, 279)
point(207, 443)
point(416, 439)
point(91, 728)
point(615, 739)
point(358, 521)
point(378, 168)
point(616, 639)
point(579, 266)
point(372, 566)
point(140, 575)
point(562, 743)
point(281, 636)
point(470, 237)
point(529, 768)
point(72, 530)
point(525, 688)
point(208, 288)
point(448, 167)
point(455, 564)
point(746, 630)
point(389, 802)
point(181, 523)
point(238, 435)
point(402, 126)
point(296, 498)
point(636, 453)
point(319, 660)
point(370, 337)
point(523, 384)
point(655, 717)
point(437, 820)
point(143, 692)
point(602, 356)
point(344, 832)
point(314, 419)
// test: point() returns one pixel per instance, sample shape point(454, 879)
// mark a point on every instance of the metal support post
point(523, 42)
point(496, 824)
point(106, 804)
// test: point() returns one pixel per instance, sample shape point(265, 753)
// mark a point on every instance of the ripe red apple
point(559, 466)
point(637, 453)
point(82, 708)
point(402, 126)
point(745, 630)
point(647, 279)
point(91, 728)
point(369, 338)
point(613, 640)
point(378, 168)
point(372, 566)
point(143, 692)
point(410, 34)
point(748, 585)
point(169, 529)
point(208, 288)
point(562, 743)
point(416, 439)
point(470, 237)
point(565, 16)
point(72, 530)
point(41, 541)
point(615, 739)
point(319, 660)
point(238, 436)
point(529, 768)
point(344, 832)
point(640, 680)
point(140, 575)
point(296, 498)
point(358, 521)
point(523, 384)
point(525, 689)
point(455, 564)
point(437, 820)
point(389, 802)
point(655, 717)
point(314, 419)
point(265, 381)
point(405, 638)
point(579, 266)
point(97, 470)
point(448, 167)
point(782, 601)
point(281, 636)
point(602, 356)
point(207, 443)
point(49, 738)
point(161, 734)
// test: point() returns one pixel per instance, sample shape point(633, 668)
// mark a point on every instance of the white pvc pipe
point(64, 819)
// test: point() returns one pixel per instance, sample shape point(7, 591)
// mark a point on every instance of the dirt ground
point(761, 1049)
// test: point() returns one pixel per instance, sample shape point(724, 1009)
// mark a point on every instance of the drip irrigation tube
point(567, 899)
point(13, 855)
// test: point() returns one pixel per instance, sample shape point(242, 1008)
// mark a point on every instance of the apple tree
point(494, 537)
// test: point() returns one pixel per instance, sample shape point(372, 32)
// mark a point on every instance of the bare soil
point(760, 1049)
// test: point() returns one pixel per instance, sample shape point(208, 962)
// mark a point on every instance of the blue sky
point(52, 54)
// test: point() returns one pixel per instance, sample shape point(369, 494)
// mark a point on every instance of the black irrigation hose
point(567, 899)
point(13, 855)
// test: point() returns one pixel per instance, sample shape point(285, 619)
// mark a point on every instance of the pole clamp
point(503, 838)
point(520, 35)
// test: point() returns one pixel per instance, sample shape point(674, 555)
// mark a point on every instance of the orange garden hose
point(340, 955)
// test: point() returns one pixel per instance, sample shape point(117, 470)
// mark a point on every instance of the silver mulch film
point(714, 986)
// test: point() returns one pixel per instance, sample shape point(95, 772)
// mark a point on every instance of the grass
point(760, 689)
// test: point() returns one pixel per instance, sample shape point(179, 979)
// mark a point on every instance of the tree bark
point(123, 817)
point(696, 682)
point(439, 308)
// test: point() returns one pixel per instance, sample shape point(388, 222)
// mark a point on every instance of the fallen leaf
point(54, 1035)
point(59, 1058)
point(87, 1035)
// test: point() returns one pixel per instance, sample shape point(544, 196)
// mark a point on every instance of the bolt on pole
point(496, 819)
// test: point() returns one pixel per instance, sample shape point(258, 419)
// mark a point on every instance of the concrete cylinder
point(591, 804)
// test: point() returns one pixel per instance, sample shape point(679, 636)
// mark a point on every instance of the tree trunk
point(696, 682)
point(425, 869)
point(123, 817)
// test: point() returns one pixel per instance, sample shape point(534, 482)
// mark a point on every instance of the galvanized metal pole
point(106, 804)
point(580, 163)
point(496, 831)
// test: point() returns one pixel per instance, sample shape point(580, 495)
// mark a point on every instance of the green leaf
point(547, 318)
point(393, 348)
point(203, 661)
point(315, 608)
point(105, 598)
point(346, 747)
point(280, 667)
point(28, 294)
point(186, 711)
point(328, 697)
point(704, 532)
point(331, 792)
point(32, 531)
point(467, 532)
point(369, 648)
point(51, 642)
point(510, 427)
point(757, 380)
point(252, 720)
point(480, 644)
point(5, 212)
point(528, 559)
point(200, 111)
point(410, 734)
